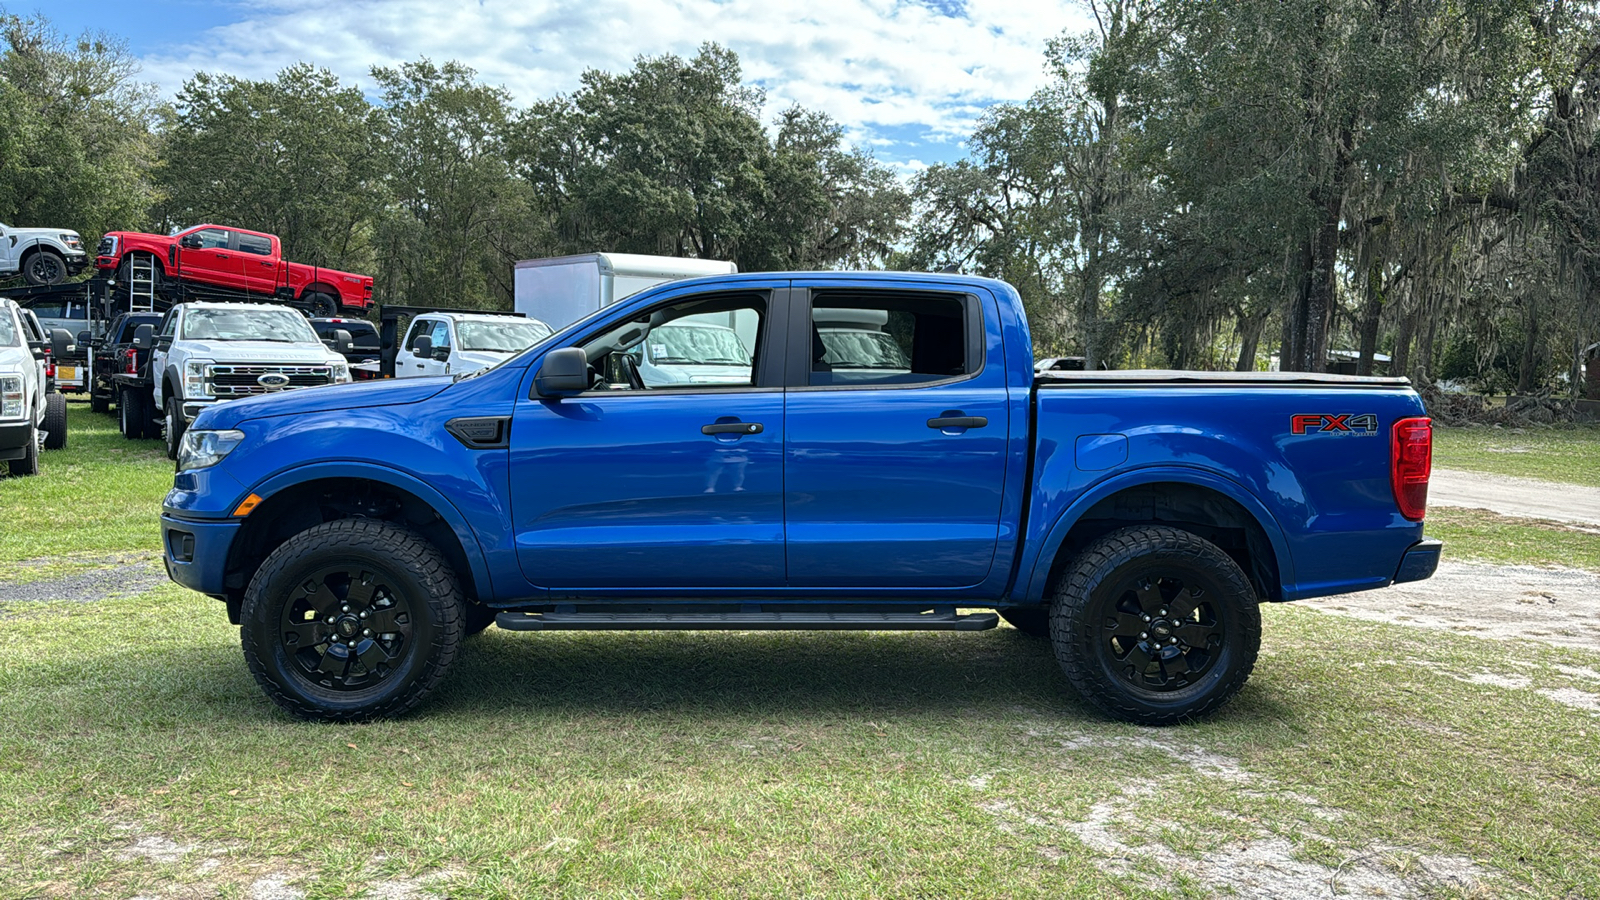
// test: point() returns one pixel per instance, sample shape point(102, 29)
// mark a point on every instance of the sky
point(906, 78)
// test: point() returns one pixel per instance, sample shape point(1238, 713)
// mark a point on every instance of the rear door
point(897, 421)
point(259, 267)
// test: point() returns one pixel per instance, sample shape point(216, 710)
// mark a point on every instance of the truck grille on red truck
point(242, 381)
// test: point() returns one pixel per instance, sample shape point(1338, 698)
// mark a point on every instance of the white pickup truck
point(453, 343)
point(41, 255)
point(205, 353)
point(32, 417)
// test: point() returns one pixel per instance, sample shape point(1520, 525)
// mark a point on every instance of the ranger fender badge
point(1326, 423)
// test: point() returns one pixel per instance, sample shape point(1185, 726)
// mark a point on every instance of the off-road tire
point(323, 306)
point(476, 617)
point(45, 267)
point(29, 463)
point(400, 557)
point(1083, 616)
point(55, 421)
point(174, 427)
point(1031, 622)
point(133, 414)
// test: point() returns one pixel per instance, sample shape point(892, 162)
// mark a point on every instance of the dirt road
point(1516, 603)
point(1515, 496)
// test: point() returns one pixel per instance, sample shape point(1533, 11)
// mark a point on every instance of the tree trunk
point(1371, 317)
point(1402, 345)
point(1250, 328)
point(1530, 350)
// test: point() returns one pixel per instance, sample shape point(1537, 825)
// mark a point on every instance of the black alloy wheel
point(45, 268)
point(352, 619)
point(1155, 625)
point(323, 305)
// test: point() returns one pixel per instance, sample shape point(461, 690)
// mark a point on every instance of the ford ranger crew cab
point(358, 534)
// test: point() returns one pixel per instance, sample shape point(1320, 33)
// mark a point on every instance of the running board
point(746, 621)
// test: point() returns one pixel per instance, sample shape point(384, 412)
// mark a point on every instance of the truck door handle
point(732, 428)
point(958, 422)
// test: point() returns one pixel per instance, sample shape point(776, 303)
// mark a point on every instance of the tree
point(298, 156)
point(75, 143)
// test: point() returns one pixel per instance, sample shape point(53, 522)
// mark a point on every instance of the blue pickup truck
point(861, 451)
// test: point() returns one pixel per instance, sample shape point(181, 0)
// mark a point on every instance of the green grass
point(98, 497)
point(752, 765)
point(1482, 535)
point(1554, 453)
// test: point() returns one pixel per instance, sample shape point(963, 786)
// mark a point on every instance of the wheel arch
point(303, 499)
point(321, 287)
point(1201, 503)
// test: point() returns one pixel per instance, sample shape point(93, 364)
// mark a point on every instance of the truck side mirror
point(144, 337)
point(343, 344)
point(563, 373)
point(84, 338)
point(190, 242)
point(61, 345)
point(422, 348)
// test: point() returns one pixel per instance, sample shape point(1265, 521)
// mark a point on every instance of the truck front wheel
point(1155, 625)
point(353, 619)
point(44, 267)
point(29, 463)
point(175, 427)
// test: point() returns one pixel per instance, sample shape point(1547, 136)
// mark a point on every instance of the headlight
point(10, 396)
point(200, 449)
point(341, 372)
point(194, 378)
point(73, 241)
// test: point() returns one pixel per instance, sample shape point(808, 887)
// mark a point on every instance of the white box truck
point(563, 289)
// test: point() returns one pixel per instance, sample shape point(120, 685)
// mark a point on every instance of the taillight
point(50, 370)
point(133, 360)
point(1410, 464)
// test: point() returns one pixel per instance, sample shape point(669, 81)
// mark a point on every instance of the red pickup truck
point(216, 262)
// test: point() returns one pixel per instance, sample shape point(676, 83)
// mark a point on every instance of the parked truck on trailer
point(358, 534)
point(223, 263)
point(42, 256)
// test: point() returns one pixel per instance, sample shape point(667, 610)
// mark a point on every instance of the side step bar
point(942, 620)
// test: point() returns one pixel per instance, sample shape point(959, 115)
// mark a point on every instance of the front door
point(897, 421)
point(214, 261)
point(642, 485)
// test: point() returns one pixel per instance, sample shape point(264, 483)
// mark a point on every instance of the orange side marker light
point(249, 503)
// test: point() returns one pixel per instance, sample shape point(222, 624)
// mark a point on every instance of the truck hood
point(478, 359)
point(245, 352)
point(24, 234)
point(357, 395)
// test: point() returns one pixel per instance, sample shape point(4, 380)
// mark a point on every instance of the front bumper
point(14, 439)
point(77, 262)
point(196, 552)
point(1420, 561)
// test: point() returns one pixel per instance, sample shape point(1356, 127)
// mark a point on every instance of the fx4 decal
point(1325, 423)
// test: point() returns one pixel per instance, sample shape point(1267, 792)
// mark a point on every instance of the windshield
point(510, 336)
point(8, 328)
point(862, 350)
point(279, 325)
point(697, 345)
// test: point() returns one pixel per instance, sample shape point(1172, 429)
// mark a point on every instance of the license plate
point(66, 373)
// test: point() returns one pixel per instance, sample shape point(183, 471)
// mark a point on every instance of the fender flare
point(393, 477)
point(1039, 576)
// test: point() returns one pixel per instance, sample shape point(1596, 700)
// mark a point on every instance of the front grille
point(241, 381)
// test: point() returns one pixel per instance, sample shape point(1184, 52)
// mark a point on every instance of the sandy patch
point(1510, 603)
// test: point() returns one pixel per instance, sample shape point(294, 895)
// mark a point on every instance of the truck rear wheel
point(322, 305)
point(1155, 625)
point(133, 414)
point(29, 463)
point(55, 420)
point(353, 619)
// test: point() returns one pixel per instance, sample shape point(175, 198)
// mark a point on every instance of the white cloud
point(874, 65)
